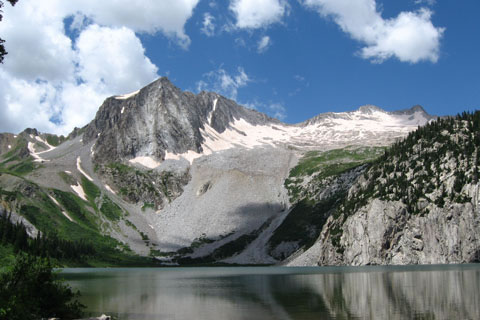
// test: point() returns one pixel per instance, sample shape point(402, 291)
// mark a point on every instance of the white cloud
point(264, 44)
point(255, 14)
point(221, 82)
point(428, 2)
point(278, 111)
point(114, 58)
point(52, 82)
point(151, 16)
point(299, 78)
point(275, 110)
point(208, 27)
point(410, 37)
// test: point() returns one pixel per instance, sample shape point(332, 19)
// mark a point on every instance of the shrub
point(31, 290)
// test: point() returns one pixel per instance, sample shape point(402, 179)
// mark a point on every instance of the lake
point(411, 292)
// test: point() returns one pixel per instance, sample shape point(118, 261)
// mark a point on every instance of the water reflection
point(441, 292)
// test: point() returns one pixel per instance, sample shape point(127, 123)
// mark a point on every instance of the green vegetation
point(91, 190)
point(418, 170)
point(110, 209)
point(134, 182)
point(121, 168)
point(22, 168)
point(43, 245)
point(318, 168)
point(148, 205)
point(225, 251)
point(303, 224)
point(197, 243)
point(333, 162)
point(17, 161)
point(41, 211)
point(151, 187)
point(18, 149)
point(7, 255)
point(68, 179)
point(76, 208)
point(55, 140)
point(31, 290)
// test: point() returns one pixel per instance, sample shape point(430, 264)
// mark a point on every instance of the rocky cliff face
point(417, 205)
point(384, 233)
point(161, 119)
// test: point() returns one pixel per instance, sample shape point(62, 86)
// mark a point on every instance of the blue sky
point(288, 58)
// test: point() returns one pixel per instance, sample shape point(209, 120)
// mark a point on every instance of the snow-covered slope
point(160, 122)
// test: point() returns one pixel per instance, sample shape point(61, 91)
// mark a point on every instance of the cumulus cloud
point(151, 16)
point(208, 27)
point(253, 14)
point(114, 58)
point(54, 81)
point(224, 83)
point(264, 44)
point(410, 37)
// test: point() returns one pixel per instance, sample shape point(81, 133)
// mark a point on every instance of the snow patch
point(126, 96)
point(189, 156)
point(110, 189)
point(123, 109)
point(54, 200)
point(69, 172)
point(58, 205)
point(368, 125)
point(14, 136)
point(211, 112)
point(50, 147)
point(148, 162)
point(79, 167)
point(79, 191)
point(34, 154)
point(9, 147)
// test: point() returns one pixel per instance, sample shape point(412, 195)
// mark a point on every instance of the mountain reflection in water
point(417, 292)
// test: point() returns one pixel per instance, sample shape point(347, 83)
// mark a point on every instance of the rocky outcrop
point(161, 118)
point(152, 188)
point(383, 232)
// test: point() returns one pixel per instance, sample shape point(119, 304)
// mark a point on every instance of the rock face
point(418, 204)
point(384, 233)
point(161, 118)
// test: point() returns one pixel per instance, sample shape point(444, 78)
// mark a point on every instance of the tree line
point(414, 169)
point(43, 245)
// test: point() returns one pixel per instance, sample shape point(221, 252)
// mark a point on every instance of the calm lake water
point(414, 292)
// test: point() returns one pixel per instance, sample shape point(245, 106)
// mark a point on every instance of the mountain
point(188, 178)
point(417, 204)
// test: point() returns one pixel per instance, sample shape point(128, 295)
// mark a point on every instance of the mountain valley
point(181, 178)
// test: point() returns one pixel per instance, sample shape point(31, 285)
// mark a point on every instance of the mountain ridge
point(196, 178)
point(162, 122)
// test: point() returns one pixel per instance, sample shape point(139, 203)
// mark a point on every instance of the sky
point(291, 59)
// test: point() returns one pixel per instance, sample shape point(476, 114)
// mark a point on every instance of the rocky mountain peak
point(159, 119)
point(369, 109)
point(160, 122)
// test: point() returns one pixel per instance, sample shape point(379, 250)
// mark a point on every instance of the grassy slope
point(316, 166)
point(41, 211)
